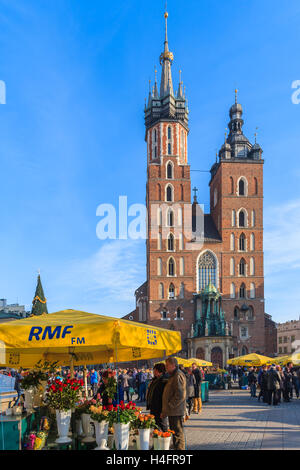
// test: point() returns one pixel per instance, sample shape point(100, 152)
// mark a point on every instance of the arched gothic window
point(242, 242)
point(243, 291)
point(242, 187)
point(171, 242)
point(207, 270)
point(181, 292)
point(169, 193)
point(170, 218)
point(170, 171)
point(242, 267)
point(242, 219)
point(171, 267)
point(169, 144)
point(178, 313)
point(161, 291)
point(171, 291)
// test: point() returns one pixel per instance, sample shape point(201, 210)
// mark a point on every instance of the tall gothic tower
point(168, 191)
point(230, 258)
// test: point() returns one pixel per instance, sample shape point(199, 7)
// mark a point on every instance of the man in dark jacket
point(155, 393)
point(288, 382)
point(252, 381)
point(174, 402)
point(273, 381)
point(263, 383)
point(197, 397)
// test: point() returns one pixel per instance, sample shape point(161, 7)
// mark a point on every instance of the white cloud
point(105, 282)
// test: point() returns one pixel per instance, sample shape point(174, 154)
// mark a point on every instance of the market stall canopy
point(284, 360)
point(199, 362)
point(249, 360)
point(86, 337)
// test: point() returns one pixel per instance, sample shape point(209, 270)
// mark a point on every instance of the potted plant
point(144, 423)
point(62, 396)
point(155, 435)
point(83, 413)
point(120, 417)
point(164, 440)
point(100, 417)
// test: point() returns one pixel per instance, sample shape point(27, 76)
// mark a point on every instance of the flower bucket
point(101, 434)
point(164, 443)
point(79, 430)
point(121, 433)
point(86, 424)
point(29, 397)
point(144, 438)
point(155, 443)
point(63, 419)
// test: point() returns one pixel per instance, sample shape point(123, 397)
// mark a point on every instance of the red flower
point(110, 407)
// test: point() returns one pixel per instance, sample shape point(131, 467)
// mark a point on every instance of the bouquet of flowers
point(99, 413)
point(34, 378)
point(63, 394)
point(111, 385)
point(122, 413)
point(84, 407)
point(143, 422)
point(157, 433)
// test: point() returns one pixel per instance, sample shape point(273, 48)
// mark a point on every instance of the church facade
point(205, 272)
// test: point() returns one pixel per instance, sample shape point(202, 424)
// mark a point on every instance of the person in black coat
point(288, 382)
point(155, 393)
point(273, 379)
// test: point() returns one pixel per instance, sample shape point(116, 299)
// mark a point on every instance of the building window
point(182, 192)
point(181, 247)
point(207, 267)
point(253, 218)
point(232, 267)
point(236, 313)
point(252, 242)
point(169, 171)
point(181, 292)
point(243, 291)
point(242, 218)
point(169, 193)
point(232, 291)
point(159, 267)
point(161, 291)
point(242, 267)
point(171, 242)
point(252, 267)
point(181, 266)
point(280, 339)
point(242, 187)
point(171, 267)
point(178, 313)
point(159, 217)
point(231, 185)
point(233, 218)
point(280, 350)
point(255, 186)
point(171, 292)
point(285, 339)
point(252, 290)
point(154, 144)
point(232, 240)
point(169, 140)
point(250, 313)
point(244, 332)
point(215, 197)
point(242, 242)
point(170, 218)
point(164, 314)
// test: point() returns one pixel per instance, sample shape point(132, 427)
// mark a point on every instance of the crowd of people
point(275, 383)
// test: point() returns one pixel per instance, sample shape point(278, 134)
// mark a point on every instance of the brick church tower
point(230, 255)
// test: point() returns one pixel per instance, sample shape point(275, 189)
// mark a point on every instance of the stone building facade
point(187, 249)
point(288, 337)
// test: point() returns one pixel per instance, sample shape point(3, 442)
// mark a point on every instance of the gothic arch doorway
point(200, 354)
point(217, 356)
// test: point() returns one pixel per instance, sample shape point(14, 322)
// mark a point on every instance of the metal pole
point(85, 380)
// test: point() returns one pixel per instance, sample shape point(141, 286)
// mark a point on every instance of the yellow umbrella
point(182, 361)
point(200, 362)
point(284, 360)
point(85, 338)
point(249, 360)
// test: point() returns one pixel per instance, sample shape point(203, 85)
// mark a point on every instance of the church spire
point(166, 59)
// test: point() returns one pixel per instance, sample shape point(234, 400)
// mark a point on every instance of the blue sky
point(72, 134)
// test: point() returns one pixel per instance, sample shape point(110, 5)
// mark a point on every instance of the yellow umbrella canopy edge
point(89, 338)
point(200, 362)
point(249, 360)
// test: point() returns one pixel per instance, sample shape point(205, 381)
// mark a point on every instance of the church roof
point(211, 234)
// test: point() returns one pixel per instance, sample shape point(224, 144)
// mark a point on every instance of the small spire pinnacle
point(195, 194)
point(255, 135)
point(166, 59)
point(226, 134)
point(236, 92)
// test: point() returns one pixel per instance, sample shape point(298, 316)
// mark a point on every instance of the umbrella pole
point(85, 380)
point(72, 367)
